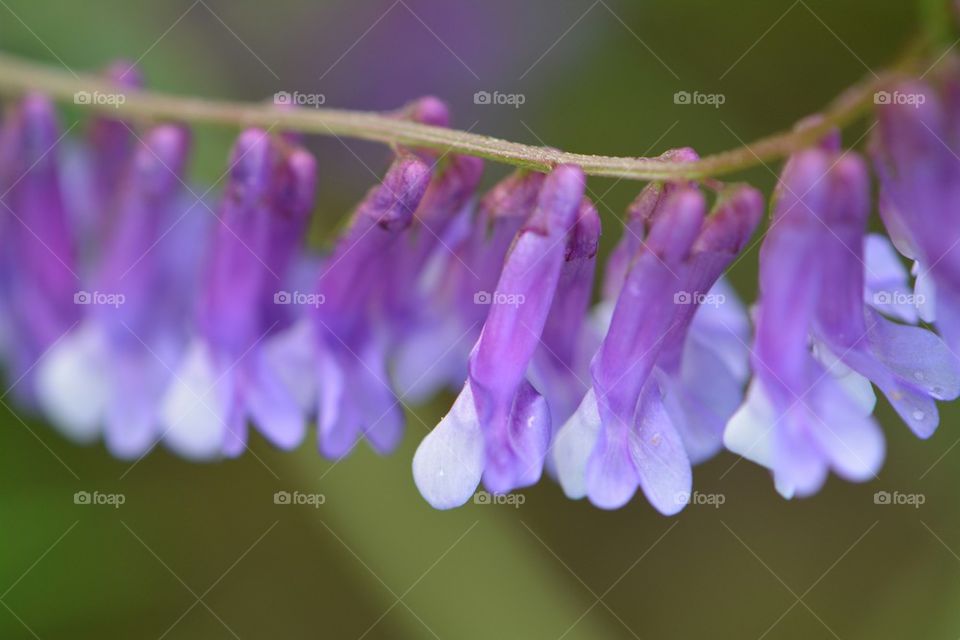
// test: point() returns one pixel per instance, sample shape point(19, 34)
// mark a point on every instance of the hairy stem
point(18, 76)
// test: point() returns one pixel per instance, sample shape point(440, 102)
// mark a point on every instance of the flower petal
point(448, 464)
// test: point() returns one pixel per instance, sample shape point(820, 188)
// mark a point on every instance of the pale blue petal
point(448, 464)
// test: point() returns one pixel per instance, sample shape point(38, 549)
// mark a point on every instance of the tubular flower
point(560, 366)
point(346, 332)
point(457, 286)
point(226, 377)
point(915, 158)
point(111, 371)
point(40, 255)
point(498, 430)
point(704, 362)
point(621, 436)
point(818, 345)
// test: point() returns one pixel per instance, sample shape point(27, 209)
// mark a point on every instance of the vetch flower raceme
point(107, 328)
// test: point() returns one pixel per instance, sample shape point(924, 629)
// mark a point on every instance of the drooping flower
point(448, 197)
point(94, 170)
point(704, 363)
point(912, 366)
point(458, 285)
point(226, 376)
point(499, 427)
point(560, 366)
point(799, 419)
point(343, 341)
point(915, 159)
point(40, 264)
point(110, 373)
point(621, 436)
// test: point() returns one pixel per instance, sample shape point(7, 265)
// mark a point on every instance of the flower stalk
point(18, 76)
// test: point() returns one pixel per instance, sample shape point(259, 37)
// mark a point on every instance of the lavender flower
point(110, 373)
point(912, 366)
point(499, 427)
point(226, 376)
point(342, 342)
point(40, 255)
point(621, 436)
point(704, 361)
point(808, 411)
point(560, 366)
point(457, 286)
point(915, 159)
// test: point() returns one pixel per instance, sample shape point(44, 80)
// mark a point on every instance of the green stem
point(18, 76)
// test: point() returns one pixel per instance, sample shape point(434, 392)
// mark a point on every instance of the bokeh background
point(202, 551)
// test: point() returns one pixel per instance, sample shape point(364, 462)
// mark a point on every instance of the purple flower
point(499, 427)
point(915, 159)
point(818, 345)
point(621, 436)
point(448, 197)
point(560, 367)
point(912, 366)
point(704, 362)
point(110, 372)
point(336, 357)
point(457, 285)
point(227, 376)
point(40, 269)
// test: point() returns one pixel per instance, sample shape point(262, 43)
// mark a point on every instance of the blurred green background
point(202, 551)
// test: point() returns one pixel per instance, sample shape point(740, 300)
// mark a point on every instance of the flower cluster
point(137, 311)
